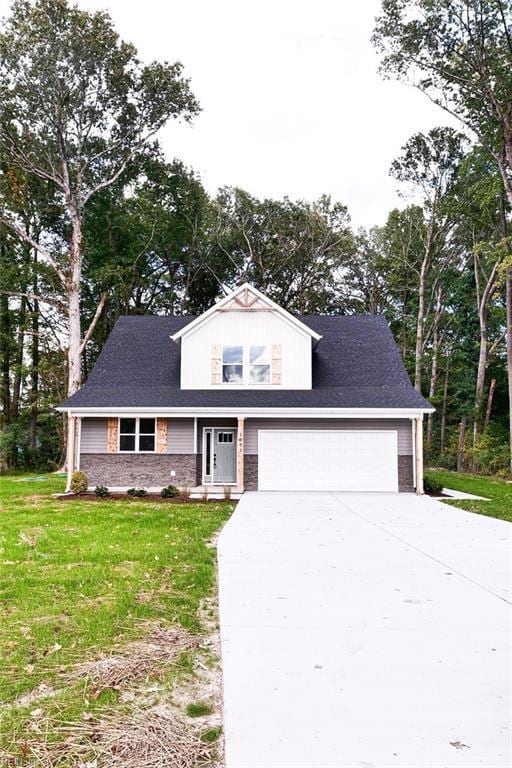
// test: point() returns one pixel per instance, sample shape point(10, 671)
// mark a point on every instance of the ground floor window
point(137, 435)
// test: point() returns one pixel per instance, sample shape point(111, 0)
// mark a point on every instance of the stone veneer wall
point(139, 469)
point(405, 473)
point(251, 472)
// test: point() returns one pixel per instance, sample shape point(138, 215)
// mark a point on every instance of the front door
point(219, 455)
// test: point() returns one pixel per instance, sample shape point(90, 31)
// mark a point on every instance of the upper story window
point(233, 365)
point(259, 365)
point(246, 365)
point(137, 435)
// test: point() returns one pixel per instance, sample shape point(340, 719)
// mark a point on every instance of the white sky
point(292, 102)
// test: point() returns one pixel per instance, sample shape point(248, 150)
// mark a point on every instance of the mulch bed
point(148, 497)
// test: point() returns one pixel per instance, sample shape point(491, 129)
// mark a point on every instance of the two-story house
point(250, 396)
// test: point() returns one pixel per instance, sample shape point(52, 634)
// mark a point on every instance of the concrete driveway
point(364, 630)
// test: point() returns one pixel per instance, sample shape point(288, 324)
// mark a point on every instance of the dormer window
point(233, 365)
point(246, 365)
point(259, 365)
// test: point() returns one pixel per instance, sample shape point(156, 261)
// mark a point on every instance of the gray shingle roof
point(355, 365)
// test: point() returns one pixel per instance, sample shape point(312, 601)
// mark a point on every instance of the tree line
point(95, 222)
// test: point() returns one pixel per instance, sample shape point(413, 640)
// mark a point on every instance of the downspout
point(70, 450)
point(418, 451)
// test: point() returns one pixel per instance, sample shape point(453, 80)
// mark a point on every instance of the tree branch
point(34, 297)
point(92, 325)
point(36, 246)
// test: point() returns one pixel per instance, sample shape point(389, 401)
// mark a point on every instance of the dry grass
point(143, 658)
point(145, 738)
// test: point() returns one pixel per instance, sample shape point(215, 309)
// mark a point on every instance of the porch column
point(70, 459)
point(418, 446)
point(240, 456)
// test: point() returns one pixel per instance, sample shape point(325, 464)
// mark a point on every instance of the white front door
point(327, 460)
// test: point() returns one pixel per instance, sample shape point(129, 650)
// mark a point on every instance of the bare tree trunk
point(34, 379)
point(508, 289)
point(445, 405)
point(433, 370)
point(508, 305)
point(420, 323)
point(483, 299)
point(460, 446)
point(488, 409)
point(432, 388)
point(18, 362)
point(73, 297)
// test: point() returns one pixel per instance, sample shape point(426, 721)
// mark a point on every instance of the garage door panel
point(315, 460)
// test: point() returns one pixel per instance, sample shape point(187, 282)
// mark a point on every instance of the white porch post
point(240, 456)
point(70, 460)
point(418, 445)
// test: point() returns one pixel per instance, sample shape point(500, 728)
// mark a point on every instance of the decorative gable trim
point(247, 298)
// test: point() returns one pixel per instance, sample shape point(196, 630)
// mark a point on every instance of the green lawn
point(499, 493)
point(80, 578)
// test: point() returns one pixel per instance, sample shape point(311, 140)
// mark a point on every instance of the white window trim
point(137, 434)
point(246, 367)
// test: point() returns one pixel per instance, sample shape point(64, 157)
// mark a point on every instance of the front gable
point(246, 341)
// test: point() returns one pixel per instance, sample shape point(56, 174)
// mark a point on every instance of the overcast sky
point(292, 101)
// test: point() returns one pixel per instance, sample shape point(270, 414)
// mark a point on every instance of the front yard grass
point(499, 493)
point(78, 579)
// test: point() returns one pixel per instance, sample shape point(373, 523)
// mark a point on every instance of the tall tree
point(76, 108)
point(429, 163)
point(459, 52)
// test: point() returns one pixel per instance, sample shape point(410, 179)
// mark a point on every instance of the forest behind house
point(95, 222)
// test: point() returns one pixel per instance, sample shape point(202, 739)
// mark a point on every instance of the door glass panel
point(208, 454)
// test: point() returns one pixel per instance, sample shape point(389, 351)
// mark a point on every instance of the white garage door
point(327, 460)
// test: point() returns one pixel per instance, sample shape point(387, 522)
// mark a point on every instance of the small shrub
point(227, 492)
point(185, 492)
point(79, 482)
point(169, 492)
point(101, 491)
point(136, 492)
point(431, 485)
point(204, 494)
point(503, 473)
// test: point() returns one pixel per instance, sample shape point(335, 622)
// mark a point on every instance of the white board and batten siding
point(246, 328)
point(327, 460)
